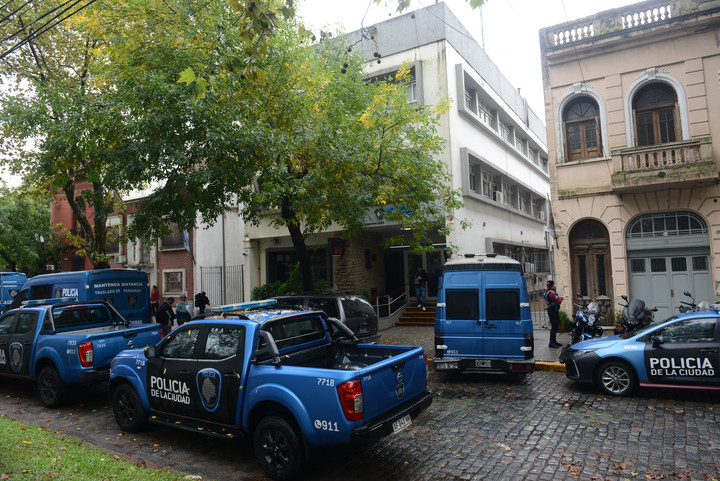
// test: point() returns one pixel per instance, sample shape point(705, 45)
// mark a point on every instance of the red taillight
point(85, 351)
point(351, 400)
point(427, 373)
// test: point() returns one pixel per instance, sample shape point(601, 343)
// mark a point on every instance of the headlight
point(580, 352)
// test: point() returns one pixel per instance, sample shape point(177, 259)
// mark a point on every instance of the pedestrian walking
point(183, 311)
point(165, 315)
point(420, 279)
point(553, 309)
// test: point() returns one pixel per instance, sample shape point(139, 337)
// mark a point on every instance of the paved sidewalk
point(546, 358)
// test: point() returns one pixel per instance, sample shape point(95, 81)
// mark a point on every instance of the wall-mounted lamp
point(247, 238)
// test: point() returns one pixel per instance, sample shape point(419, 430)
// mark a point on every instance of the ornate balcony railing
point(667, 155)
point(664, 165)
point(621, 20)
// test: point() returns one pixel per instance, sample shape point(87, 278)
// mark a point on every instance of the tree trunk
point(298, 240)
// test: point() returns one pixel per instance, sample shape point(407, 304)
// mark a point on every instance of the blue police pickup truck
point(290, 379)
point(62, 342)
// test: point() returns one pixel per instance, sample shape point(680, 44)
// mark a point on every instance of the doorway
point(591, 272)
point(432, 262)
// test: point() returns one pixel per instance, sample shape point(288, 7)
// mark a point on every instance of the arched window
point(582, 132)
point(654, 107)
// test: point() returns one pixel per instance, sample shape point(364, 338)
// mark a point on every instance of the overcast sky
point(511, 29)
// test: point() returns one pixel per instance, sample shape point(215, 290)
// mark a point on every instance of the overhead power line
point(31, 34)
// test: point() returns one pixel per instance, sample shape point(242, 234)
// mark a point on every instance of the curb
point(549, 366)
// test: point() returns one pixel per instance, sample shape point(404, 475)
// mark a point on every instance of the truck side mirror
point(150, 352)
point(657, 341)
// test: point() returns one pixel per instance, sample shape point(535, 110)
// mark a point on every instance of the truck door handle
point(128, 335)
point(708, 350)
point(185, 372)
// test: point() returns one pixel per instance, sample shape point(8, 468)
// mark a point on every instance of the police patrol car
point(680, 352)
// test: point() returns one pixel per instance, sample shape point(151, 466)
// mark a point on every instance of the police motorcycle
point(691, 306)
point(635, 315)
point(586, 323)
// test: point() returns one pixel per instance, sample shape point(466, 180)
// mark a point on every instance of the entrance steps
point(415, 316)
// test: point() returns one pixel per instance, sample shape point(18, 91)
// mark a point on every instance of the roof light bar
point(244, 305)
point(55, 300)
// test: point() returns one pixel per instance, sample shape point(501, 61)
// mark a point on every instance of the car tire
point(51, 387)
point(616, 378)
point(127, 408)
point(278, 447)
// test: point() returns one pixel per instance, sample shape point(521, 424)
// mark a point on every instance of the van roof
point(483, 262)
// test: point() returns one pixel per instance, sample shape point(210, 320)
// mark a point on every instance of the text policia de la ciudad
point(169, 389)
point(684, 366)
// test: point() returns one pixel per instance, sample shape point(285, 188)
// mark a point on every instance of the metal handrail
point(397, 298)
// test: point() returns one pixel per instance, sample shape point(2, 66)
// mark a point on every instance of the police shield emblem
point(132, 300)
point(16, 356)
point(209, 383)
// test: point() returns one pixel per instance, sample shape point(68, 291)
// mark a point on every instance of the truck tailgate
point(108, 342)
point(393, 381)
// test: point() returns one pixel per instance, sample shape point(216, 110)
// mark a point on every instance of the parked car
point(352, 310)
point(293, 381)
point(680, 352)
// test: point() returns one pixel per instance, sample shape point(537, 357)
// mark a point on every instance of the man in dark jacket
point(201, 301)
point(553, 309)
point(165, 315)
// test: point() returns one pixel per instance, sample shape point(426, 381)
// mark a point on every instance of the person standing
point(165, 315)
point(154, 300)
point(183, 311)
point(420, 279)
point(553, 309)
point(201, 301)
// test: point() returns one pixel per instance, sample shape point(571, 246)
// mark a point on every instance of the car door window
point(25, 322)
point(6, 323)
point(181, 345)
point(690, 330)
point(357, 307)
point(329, 306)
point(222, 342)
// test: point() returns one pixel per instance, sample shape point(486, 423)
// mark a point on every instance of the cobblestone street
point(541, 427)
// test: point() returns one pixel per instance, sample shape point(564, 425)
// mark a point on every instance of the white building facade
point(496, 151)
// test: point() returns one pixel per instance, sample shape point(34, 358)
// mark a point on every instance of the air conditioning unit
point(498, 196)
point(120, 259)
point(50, 267)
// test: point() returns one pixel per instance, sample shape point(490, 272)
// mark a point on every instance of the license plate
point(363, 330)
point(482, 363)
point(402, 423)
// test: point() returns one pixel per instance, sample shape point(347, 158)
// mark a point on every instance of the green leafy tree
point(27, 241)
point(57, 102)
point(312, 141)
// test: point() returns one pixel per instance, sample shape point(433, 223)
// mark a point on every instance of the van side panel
point(126, 289)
